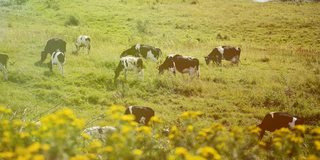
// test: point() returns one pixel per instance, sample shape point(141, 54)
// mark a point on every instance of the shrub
point(72, 21)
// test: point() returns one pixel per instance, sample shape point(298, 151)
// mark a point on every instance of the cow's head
point(168, 63)
point(207, 59)
point(213, 56)
point(159, 53)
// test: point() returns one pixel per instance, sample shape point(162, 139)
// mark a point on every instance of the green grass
point(286, 34)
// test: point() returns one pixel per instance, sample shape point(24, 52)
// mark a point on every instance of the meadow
point(279, 70)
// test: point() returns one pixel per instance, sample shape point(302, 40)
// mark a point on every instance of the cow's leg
point(77, 49)
point(118, 71)
point(141, 74)
point(43, 57)
point(125, 74)
point(88, 48)
point(4, 71)
point(61, 68)
point(261, 134)
point(50, 65)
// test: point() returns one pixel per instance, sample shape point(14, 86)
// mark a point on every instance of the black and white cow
point(57, 58)
point(129, 63)
point(83, 41)
point(3, 65)
point(99, 132)
point(224, 52)
point(276, 120)
point(142, 50)
point(52, 45)
point(182, 64)
point(142, 114)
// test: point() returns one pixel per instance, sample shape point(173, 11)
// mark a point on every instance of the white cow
point(83, 41)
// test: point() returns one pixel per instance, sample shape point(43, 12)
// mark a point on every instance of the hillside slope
point(279, 70)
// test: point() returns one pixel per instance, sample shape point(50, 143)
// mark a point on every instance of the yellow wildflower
point(209, 152)
point(300, 128)
point(137, 152)
point(126, 129)
point(255, 130)
point(35, 147)
point(317, 145)
point(107, 149)
point(85, 136)
point(296, 139)
point(38, 157)
point(6, 155)
point(127, 117)
point(189, 128)
point(5, 110)
point(79, 157)
point(316, 132)
point(193, 157)
point(45, 147)
point(145, 130)
point(312, 157)
point(181, 151)
point(155, 119)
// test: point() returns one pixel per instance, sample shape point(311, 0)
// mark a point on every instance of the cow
point(182, 64)
point(276, 120)
point(57, 58)
point(83, 41)
point(52, 45)
point(3, 65)
point(142, 114)
point(99, 132)
point(129, 63)
point(224, 52)
point(142, 50)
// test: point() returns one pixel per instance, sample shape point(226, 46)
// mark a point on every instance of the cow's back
point(231, 52)
point(55, 44)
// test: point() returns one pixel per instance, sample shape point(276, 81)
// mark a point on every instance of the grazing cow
point(52, 45)
point(99, 132)
point(129, 63)
point(183, 64)
point(142, 114)
point(276, 120)
point(3, 65)
point(224, 52)
point(142, 50)
point(83, 41)
point(57, 58)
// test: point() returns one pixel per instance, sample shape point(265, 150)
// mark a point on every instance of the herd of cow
point(132, 59)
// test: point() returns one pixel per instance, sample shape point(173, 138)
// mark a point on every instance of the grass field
point(279, 70)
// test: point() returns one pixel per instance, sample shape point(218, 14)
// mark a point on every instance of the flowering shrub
point(59, 136)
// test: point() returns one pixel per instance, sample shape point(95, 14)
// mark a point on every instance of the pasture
point(279, 69)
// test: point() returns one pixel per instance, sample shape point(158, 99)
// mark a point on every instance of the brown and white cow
point(182, 64)
point(224, 52)
point(277, 120)
point(142, 114)
point(3, 65)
